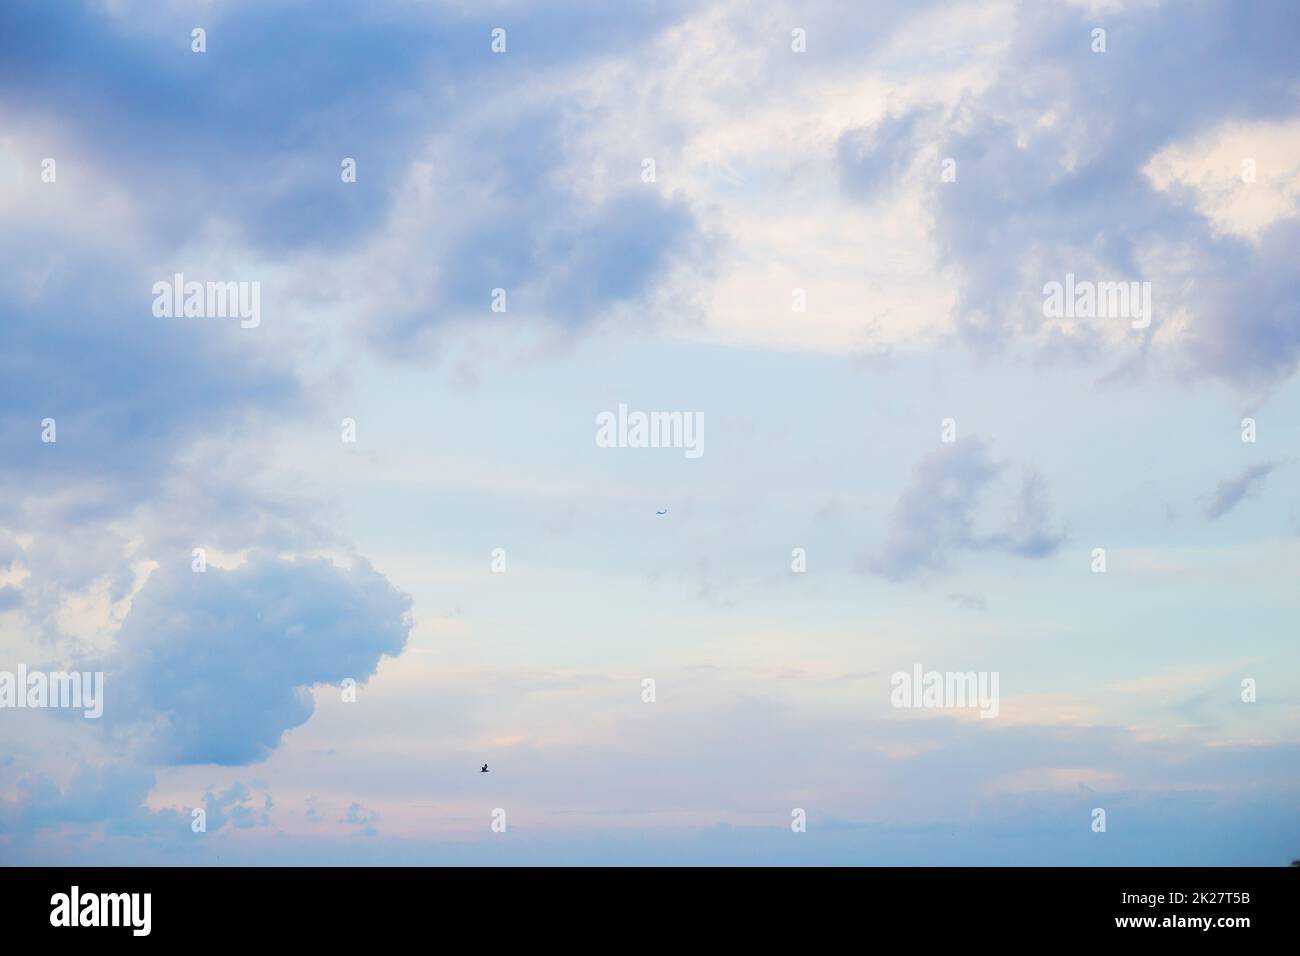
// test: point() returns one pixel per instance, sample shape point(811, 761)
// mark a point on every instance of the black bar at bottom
point(336, 905)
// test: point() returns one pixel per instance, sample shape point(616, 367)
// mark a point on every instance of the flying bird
point(664, 512)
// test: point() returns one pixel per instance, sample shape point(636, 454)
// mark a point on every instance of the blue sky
point(816, 176)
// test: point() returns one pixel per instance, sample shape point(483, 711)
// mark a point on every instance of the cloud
point(215, 667)
point(936, 514)
point(1052, 160)
point(112, 795)
point(126, 390)
point(488, 140)
point(113, 799)
point(205, 134)
point(312, 813)
point(500, 206)
point(1228, 494)
point(359, 816)
point(873, 158)
point(235, 805)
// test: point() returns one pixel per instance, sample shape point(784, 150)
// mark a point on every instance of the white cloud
point(1211, 168)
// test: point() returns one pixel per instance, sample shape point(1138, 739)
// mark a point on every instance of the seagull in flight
point(484, 770)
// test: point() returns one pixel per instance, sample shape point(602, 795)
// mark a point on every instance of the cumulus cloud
point(937, 514)
point(215, 667)
point(1231, 492)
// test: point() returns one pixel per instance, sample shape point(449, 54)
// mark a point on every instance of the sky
point(334, 553)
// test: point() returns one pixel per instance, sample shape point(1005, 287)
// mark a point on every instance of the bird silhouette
point(484, 770)
point(664, 512)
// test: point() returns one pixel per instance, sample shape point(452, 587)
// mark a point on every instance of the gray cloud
point(936, 514)
point(1228, 494)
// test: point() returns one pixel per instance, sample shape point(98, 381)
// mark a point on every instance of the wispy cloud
point(1232, 491)
point(936, 515)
